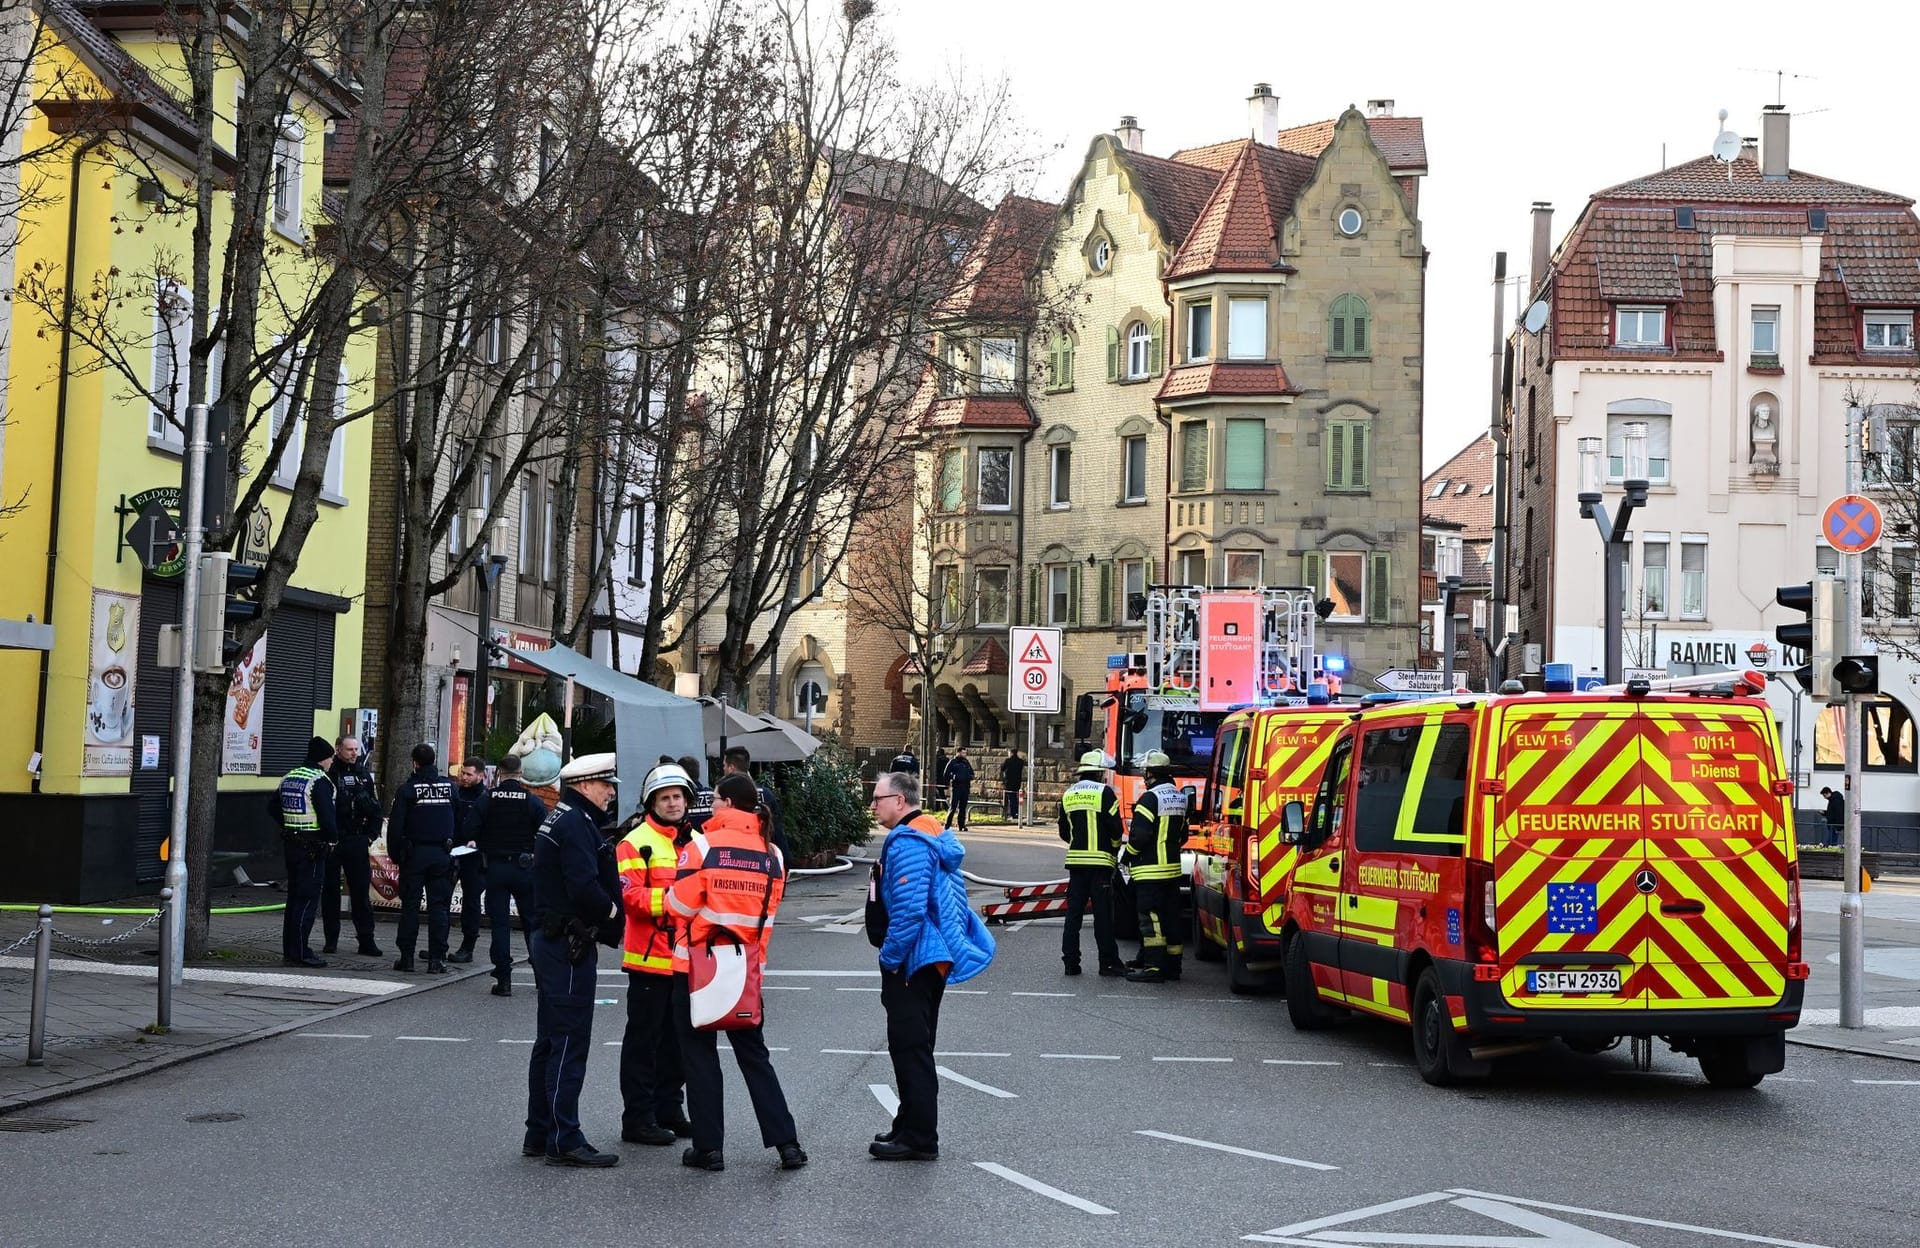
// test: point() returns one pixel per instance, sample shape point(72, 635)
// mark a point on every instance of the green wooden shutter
point(1105, 603)
point(1379, 572)
point(1032, 612)
point(1312, 572)
point(1063, 380)
point(1245, 462)
point(1113, 353)
point(1193, 455)
point(1357, 438)
point(1336, 456)
point(1337, 331)
point(1157, 350)
point(1073, 593)
point(1359, 331)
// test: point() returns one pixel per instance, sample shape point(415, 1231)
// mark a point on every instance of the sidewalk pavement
point(1891, 983)
point(103, 994)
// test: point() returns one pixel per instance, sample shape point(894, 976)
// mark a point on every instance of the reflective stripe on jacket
point(729, 878)
point(1158, 831)
point(1090, 823)
point(298, 810)
point(647, 859)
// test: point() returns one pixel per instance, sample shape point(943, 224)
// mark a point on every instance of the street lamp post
point(489, 561)
point(1614, 528)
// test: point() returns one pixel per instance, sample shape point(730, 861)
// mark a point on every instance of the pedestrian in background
point(356, 808)
point(906, 760)
point(701, 804)
point(309, 832)
point(470, 805)
point(509, 819)
point(739, 762)
point(1013, 774)
point(648, 857)
point(420, 832)
point(1836, 815)
point(928, 937)
point(730, 881)
point(959, 780)
point(576, 900)
point(1090, 825)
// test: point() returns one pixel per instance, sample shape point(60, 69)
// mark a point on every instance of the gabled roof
point(1236, 231)
point(1001, 261)
point(1175, 193)
point(1199, 381)
point(1706, 180)
point(1402, 140)
point(1472, 511)
point(990, 659)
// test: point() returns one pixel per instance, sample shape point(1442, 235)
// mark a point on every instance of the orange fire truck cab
point(1500, 872)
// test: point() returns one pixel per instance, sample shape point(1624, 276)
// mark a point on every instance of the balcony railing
point(1429, 585)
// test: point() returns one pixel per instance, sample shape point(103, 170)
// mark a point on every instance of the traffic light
point(241, 605)
point(1815, 638)
point(1797, 636)
point(1857, 674)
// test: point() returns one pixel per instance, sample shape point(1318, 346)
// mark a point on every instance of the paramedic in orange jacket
point(647, 855)
point(729, 888)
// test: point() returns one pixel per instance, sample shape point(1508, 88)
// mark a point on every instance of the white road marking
point(1296, 1061)
point(1192, 1059)
point(884, 1094)
point(1878, 1016)
point(1041, 1189)
point(1655, 1074)
point(1885, 1082)
point(966, 992)
point(966, 1053)
point(1084, 1057)
point(610, 1044)
point(1239, 1152)
point(873, 974)
point(513, 1041)
point(856, 990)
point(1043, 994)
point(438, 1039)
point(975, 1084)
point(1628, 1218)
point(1279, 1233)
point(332, 1035)
point(1403, 1066)
point(787, 987)
point(215, 975)
point(858, 1052)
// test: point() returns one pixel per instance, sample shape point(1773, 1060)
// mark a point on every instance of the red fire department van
point(1499, 872)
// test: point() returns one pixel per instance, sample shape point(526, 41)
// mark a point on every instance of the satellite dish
point(1726, 145)
point(1536, 316)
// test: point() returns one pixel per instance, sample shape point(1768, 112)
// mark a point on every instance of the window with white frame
point(1134, 456)
point(334, 483)
point(998, 360)
point(810, 690)
point(1059, 593)
point(1133, 589)
point(1139, 351)
point(549, 536)
point(1693, 576)
point(1192, 567)
point(953, 369)
point(1900, 565)
point(1060, 476)
point(530, 512)
point(996, 478)
point(1247, 329)
point(635, 538)
point(172, 340)
point(1199, 332)
point(1884, 329)
point(1653, 576)
point(290, 397)
point(289, 164)
point(1659, 446)
point(493, 337)
point(1243, 568)
point(1891, 461)
point(993, 596)
point(1639, 325)
point(946, 594)
point(1766, 331)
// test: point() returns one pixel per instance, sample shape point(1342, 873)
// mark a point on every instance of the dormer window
point(998, 365)
point(1639, 325)
point(1886, 330)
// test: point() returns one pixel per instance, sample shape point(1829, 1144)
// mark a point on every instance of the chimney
point(1773, 143)
point(1263, 115)
point(1379, 108)
point(1750, 148)
point(1542, 245)
point(1131, 136)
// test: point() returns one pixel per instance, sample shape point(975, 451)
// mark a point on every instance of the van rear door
point(1565, 850)
point(1717, 855)
point(1290, 749)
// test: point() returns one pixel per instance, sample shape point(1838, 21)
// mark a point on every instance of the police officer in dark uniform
point(308, 829)
point(469, 804)
point(357, 808)
point(420, 837)
point(509, 818)
point(576, 901)
point(1154, 840)
point(1090, 825)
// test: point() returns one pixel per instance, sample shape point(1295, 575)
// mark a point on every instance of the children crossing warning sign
point(1034, 683)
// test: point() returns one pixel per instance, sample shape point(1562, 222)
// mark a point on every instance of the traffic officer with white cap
point(576, 898)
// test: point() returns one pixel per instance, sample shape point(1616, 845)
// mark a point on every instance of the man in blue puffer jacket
point(928, 937)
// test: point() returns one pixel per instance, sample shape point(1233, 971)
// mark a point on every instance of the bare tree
point(1890, 474)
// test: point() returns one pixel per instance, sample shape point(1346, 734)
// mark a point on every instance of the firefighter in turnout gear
point(1154, 839)
point(648, 857)
point(1090, 825)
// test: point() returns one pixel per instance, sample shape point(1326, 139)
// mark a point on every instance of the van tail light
point(1783, 786)
point(1482, 919)
point(1793, 912)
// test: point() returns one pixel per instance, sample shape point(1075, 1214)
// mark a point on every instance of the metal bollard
point(164, 1021)
point(42, 957)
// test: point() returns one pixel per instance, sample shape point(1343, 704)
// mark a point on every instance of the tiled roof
point(989, 660)
point(1402, 140)
point(1235, 232)
point(979, 411)
point(1877, 259)
point(1706, 180)
point(1202, 380)
point(1176, 193)
point(896, 181)
point(128, 78)
point(1472, 511)
point(1001, 260)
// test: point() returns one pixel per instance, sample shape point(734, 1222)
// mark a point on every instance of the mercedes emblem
point(1645, 880)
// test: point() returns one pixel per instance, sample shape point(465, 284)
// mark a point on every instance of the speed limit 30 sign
point(1034, 677)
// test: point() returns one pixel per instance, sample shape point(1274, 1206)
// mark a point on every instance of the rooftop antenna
point(1726, 146)
point(1780, 77)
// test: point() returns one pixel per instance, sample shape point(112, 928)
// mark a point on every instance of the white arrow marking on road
point(1238, 1152)
point(1738, 1236)
point(975, 1084)
point(1279, 1233)
point(884, 1094)
point(1042, 1189)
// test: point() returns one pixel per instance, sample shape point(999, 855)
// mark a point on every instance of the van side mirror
point(1083, 717)
point(1293, 823)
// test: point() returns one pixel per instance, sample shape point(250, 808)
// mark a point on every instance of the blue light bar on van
point(1334, 664)
point(1116, 662)
point(1557, 677)
point(1317, 694)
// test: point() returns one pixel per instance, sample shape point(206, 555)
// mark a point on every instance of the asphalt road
point(1077, 1111)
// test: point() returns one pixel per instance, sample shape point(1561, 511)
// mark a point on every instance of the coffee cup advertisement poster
point(108, 744)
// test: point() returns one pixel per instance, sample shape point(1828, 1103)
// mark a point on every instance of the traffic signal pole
point(194, 522)
point(1853, 903)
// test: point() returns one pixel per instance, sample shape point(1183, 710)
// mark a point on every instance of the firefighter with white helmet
point(650, 1072)
point(1154, 840)
point(1090, 825)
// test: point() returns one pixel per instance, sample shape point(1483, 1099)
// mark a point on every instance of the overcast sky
point(1526, 103)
